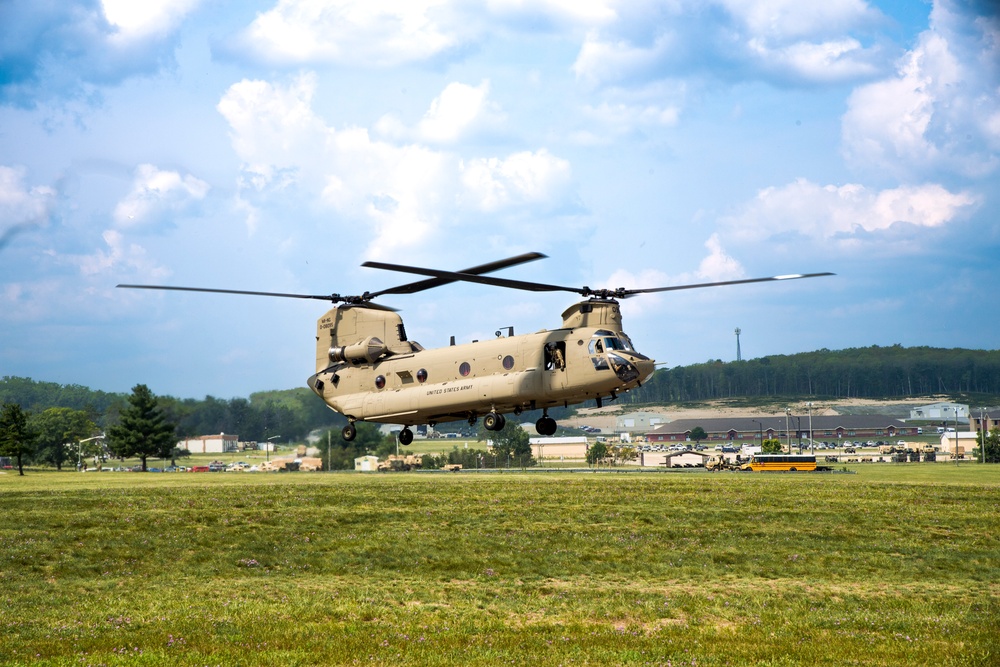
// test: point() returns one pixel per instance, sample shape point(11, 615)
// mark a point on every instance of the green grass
point(896, 565)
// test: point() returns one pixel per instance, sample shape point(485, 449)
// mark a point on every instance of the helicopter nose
point(646, 368)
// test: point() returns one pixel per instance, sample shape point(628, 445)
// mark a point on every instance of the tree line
point(868, 372)
point(291, 413)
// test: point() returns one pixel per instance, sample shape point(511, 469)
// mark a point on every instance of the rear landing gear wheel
point(405, 436)
point(546, 426)
point(349, 432)
point(494, 421)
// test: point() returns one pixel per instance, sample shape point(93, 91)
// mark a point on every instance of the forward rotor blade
point(452, 276)
point(422, 285)
point(624, 294)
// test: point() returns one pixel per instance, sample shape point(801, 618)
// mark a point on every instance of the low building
point(638, 422)
point(943, 412)
point(211, 444)
point(967, 440)
point(567, 447)
point(833, 427)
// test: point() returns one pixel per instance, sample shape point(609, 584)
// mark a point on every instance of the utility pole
point(812, 444)
point(788, 436)
point(739, 355)
point(982, 434)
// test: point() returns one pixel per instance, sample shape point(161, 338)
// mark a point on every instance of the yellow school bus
point(782, 462)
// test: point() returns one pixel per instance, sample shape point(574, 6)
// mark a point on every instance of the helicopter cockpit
point(605, 352)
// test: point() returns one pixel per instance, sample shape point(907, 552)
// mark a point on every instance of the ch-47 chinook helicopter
point(367, 370)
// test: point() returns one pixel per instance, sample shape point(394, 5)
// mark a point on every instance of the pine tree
point(143, 431)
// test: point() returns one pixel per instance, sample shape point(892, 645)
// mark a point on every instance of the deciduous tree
point(992, 446)
point(57, 427)
point(771, 446)
point(16, 437)
point(597, 453)
point(511, 444)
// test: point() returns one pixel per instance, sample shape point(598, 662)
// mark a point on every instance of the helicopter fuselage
point(365, 380)
point(509, 374)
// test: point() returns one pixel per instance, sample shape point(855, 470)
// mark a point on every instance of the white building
point(639, 422)
point(943, 411)
point(211, 444)
point(968, 440)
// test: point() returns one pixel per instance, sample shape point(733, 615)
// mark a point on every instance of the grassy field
point(895, 565)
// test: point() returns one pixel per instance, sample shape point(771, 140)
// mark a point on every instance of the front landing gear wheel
point(494, 421)
point(405, 436)
point(349, 432)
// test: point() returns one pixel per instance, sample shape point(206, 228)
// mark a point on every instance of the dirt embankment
point(604, 418)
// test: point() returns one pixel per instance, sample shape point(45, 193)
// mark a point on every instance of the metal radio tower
point(739, 355)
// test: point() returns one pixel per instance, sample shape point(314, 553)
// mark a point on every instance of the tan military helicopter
point(367, 369)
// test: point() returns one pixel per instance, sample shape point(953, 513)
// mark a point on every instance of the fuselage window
point(464, 369)
point(380, 381)
point(508, 362)
point(422, 375)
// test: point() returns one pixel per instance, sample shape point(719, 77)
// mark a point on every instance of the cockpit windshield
point(607, 340)
point(614, 343)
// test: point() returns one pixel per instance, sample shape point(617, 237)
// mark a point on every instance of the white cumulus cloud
point(120, 256)
point(527, 177)
point(939, 110)
point(155, 192)
point(372, 33)
point(829, 212)
point(398, 195)
point(135, 20)
point(458, 112)
point(18, 202)
point(777, 40)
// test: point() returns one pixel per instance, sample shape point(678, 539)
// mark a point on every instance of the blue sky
point(277, 145)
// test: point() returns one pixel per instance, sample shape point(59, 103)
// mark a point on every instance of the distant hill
point(868, 372)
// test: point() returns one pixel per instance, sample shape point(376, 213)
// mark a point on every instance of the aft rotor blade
point(452, 276)
point(794, 276)
point(422, 285)
point(321, 297)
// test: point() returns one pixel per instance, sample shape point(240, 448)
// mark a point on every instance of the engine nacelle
point(367, 351)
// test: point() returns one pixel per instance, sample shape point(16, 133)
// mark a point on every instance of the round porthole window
point(379, 381)
point(422, 375)
point(464, 369)
point(508, 362)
